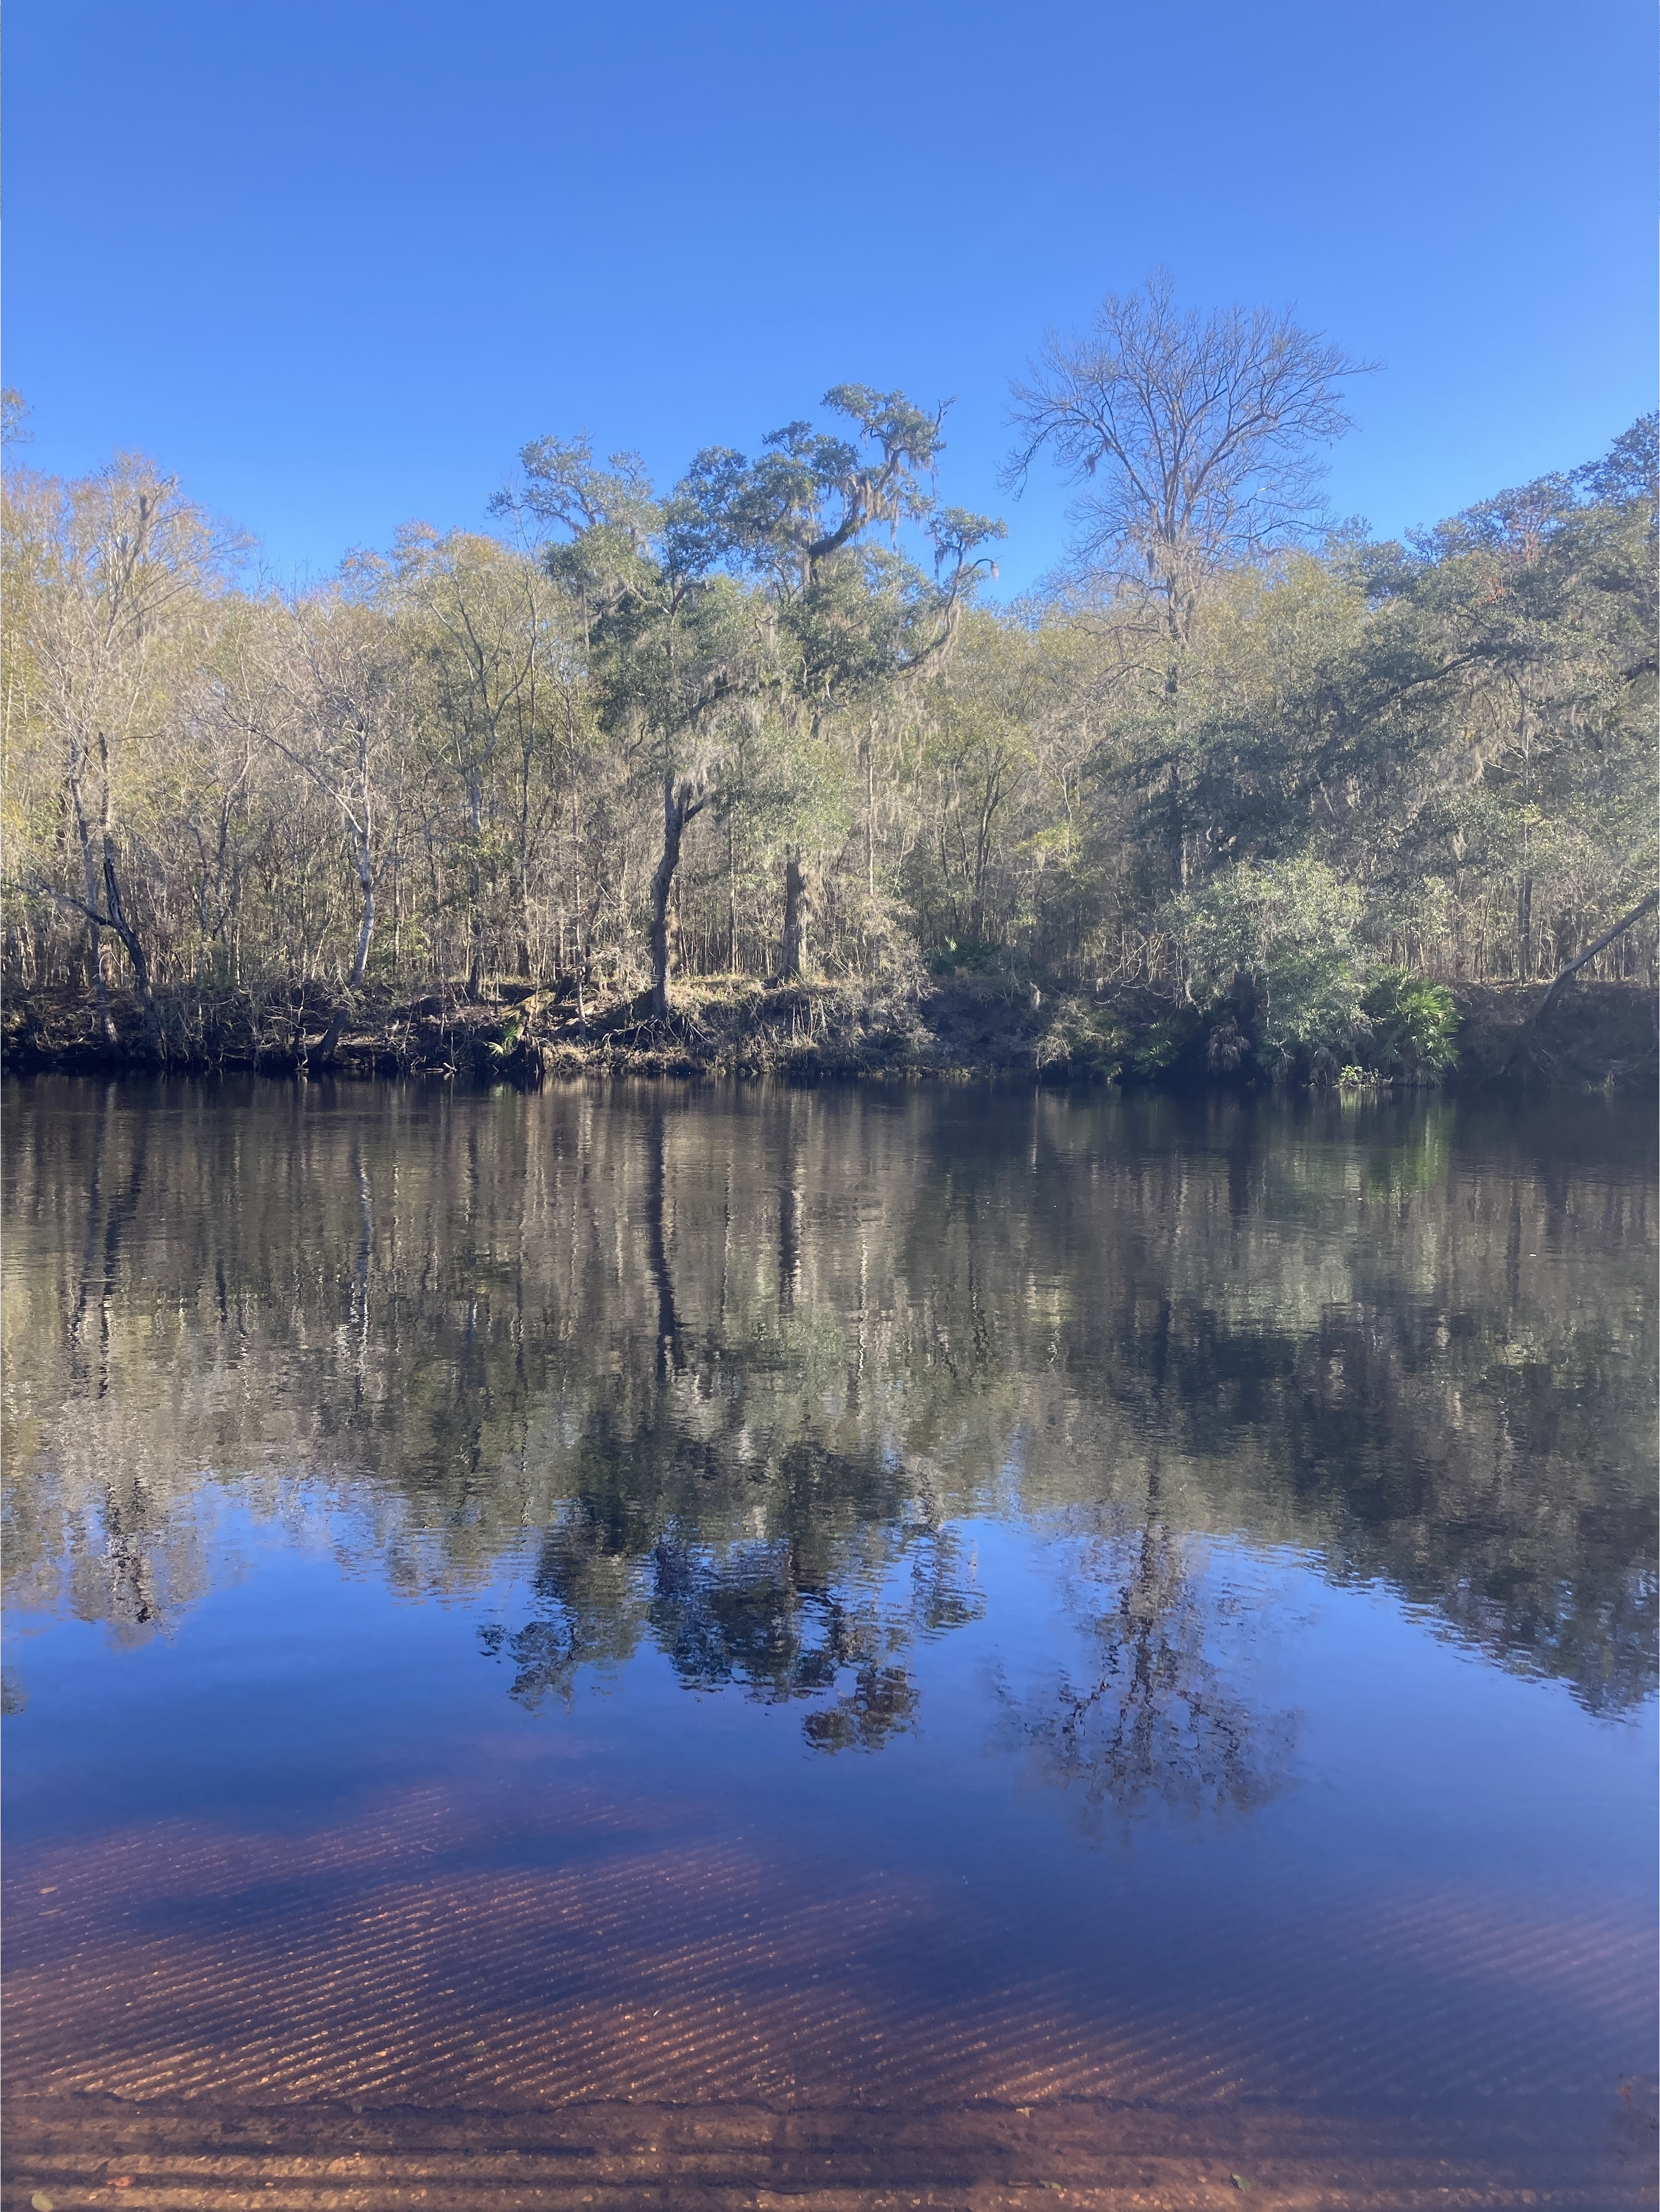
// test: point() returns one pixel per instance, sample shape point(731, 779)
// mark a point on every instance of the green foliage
point(1084, 1040)
point(1164, 1041)
point(1413, 1024)
point(1313, 1003)
point(1248, 918)
point(1289, 931)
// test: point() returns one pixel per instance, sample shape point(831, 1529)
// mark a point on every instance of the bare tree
point(333, 699)
point(1195, 437)
point(121, 566)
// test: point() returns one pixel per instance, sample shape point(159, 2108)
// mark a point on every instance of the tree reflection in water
point(1156, 1714)
point(760, 1616)
point(737, 1370)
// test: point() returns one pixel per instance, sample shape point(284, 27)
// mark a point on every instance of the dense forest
point(633, 753)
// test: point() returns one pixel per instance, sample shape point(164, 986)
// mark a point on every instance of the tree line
point(768, 723)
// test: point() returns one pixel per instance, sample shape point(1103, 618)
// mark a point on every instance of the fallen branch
point(1591, 952)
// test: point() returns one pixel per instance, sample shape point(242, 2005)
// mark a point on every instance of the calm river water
point(861, 1597)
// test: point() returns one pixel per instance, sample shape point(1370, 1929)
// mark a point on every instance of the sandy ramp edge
point(203, 2155)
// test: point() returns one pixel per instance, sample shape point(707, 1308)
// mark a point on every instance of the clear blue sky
point(335, 263)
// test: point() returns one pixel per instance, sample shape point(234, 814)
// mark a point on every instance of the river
point(892, 1602)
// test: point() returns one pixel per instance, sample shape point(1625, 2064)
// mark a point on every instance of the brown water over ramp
point(388, 1960)
point(201, 2155)
point(375, 2017)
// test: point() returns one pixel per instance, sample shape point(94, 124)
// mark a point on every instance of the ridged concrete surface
point(205, 2156)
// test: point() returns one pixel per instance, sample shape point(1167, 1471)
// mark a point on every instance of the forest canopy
point(769, 721)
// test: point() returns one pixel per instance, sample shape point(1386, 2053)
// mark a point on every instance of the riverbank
point(1593, 1036)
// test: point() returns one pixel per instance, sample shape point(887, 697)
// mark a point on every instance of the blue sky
point(335, 263)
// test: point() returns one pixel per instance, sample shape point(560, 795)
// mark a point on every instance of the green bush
point(1414, 1024)
point(1311, 1001)
point(1291, 928)
point(1083, 1039)
point(1164, 1043)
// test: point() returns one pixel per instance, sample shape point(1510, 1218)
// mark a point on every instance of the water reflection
point(780, 1618)
point(1157, 1715)
point(735, 1370)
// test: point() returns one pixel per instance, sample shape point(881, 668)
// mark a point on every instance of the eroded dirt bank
point(1594, 1036)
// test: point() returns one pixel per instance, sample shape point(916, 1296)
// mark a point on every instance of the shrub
point(1414, 1024)
point(1165, 1041)
point(1082, 1040)
point(1311, 1002)
point(1289, 928)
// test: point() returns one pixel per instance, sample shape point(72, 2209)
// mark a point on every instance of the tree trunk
point(117, 920)
point(795, 906)
point(1176, 837)
point(366, 930)
point(523, 871)
point(331, 1036)
point(581, 927)
point(870, 812)
point(732, 898)
point(680, 804)
point(95, 935)
point(128, 936)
